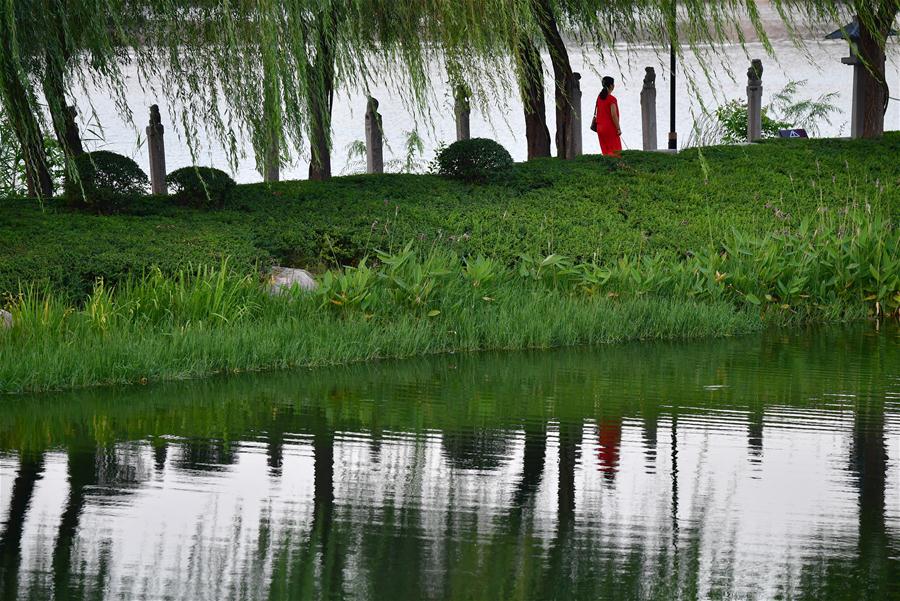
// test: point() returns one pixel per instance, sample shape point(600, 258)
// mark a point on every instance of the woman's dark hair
point(607, 83)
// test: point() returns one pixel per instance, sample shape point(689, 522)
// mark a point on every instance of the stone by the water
point(6, 320)
point(282, 279)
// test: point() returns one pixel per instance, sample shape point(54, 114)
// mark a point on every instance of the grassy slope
point(589, 207)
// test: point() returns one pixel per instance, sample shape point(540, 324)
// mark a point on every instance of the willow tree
point(521, 28)
point(59, 46)
point(267, 71)
point(324, 29)
point(20, 104)
point(563, 76)
point(876, 19)
point(56, 43)
point(693, 24)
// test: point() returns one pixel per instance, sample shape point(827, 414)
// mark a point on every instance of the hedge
point(590, 208)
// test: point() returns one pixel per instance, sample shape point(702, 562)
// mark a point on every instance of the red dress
point(610, 142)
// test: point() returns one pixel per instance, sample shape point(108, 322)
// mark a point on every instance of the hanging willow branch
point(266, 71)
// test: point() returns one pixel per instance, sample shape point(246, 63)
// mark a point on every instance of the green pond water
point(761, 467)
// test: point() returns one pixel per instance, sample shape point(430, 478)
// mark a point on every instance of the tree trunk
point(869, 460)
point(272, 125)
point(563, 76)
point(63, 116)
point(321, 99)
point(31, 469)
point(320, 138)
point(82, 468)
point(557, 576)
point(531, 85)
point(54, 87)
point(19, 109)
point(873, 84)
point(37, 172)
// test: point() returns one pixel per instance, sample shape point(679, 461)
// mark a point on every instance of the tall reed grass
point(834, 266)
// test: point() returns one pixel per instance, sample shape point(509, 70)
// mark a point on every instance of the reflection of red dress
point(610, 142)
point(610, 438)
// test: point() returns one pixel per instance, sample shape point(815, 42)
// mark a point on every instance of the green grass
point(592, 208)
point(209, 320)
point(304, 338)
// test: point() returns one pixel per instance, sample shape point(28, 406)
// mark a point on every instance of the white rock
point(6, 321)
point(282, 279)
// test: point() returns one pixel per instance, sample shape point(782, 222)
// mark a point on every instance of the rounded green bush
point(473, 160)
point(105, 180)
point(201, 187)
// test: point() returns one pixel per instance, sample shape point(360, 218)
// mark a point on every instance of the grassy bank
point(593, 208)
point(407, 303)
point(295, 334)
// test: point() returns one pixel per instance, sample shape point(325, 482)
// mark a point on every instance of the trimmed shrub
point(106, 180)
point(474, 160)
point(201, 187)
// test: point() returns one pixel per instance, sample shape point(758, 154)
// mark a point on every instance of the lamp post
point(673, 135)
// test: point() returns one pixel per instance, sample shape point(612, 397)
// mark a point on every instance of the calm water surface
point(765, 467)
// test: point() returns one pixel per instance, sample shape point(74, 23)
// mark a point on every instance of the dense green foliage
point(590, 208)
point(474, 160)
point(407, 303)
point(200, 187)
point(105, 181)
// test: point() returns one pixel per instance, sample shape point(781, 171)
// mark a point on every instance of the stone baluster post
point(754, 100)
point(462, 110)
point(157, 149)
point(648, 110)
point(374, 139)
point(575, 98)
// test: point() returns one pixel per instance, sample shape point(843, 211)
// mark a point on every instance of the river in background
point(760, 467)
point(501, 117)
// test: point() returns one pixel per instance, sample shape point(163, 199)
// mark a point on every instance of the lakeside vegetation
point(211, 320)
point(547, 254)
point(589, 209)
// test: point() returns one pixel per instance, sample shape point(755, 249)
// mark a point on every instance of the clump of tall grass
point(835, 265)
point(200, 295)
point(190, 297)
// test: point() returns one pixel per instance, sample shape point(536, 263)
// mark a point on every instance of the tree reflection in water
point(576, 474)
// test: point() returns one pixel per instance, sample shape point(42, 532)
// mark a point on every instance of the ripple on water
point(760, 467)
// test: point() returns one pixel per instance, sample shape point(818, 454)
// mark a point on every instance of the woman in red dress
point(606, 116)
